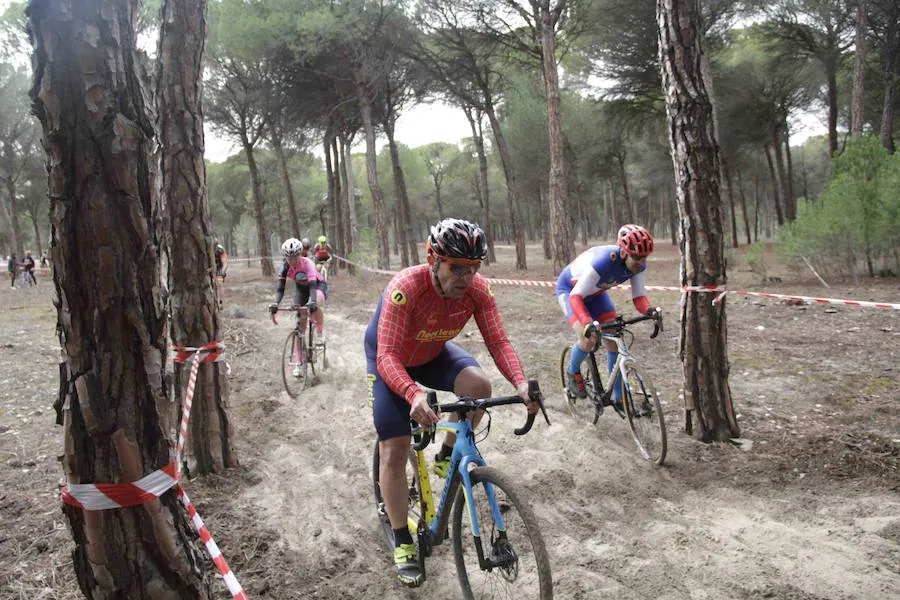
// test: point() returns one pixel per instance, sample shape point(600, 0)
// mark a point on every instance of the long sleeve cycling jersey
point(304, 274)
point(596, 270)
point(416, 322)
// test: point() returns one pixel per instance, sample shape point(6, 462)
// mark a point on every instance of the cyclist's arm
point(282, 277)
point(392, 328)
point(487, 316)
point(224, 263)
point(639, 293)
point(586, 285)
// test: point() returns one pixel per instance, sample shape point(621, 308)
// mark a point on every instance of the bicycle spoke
point(518, 564)
point(294, 370)
point(582, 409)
point(645, 416)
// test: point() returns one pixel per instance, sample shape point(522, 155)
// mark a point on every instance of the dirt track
point(809, 509)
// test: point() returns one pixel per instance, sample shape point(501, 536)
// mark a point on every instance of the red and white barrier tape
point(364, 267)
point(703, 289)
point(101, 496)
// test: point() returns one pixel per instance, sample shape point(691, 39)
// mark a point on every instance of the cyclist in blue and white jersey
point(581, 290)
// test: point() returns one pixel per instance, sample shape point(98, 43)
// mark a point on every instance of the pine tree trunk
point(727, 172)
point(12, 209)
point(744, 213)
point(776, 196)
point(512, 185)
point(351, 234)
point(859, 71)
point(278, 146)
point(378, 207)
point(106, 244)
point(192, 289)
point(336, 232)
point(889, 75)
point(402, 200)
point(262, 231)
point(474, 116)
point(704, 351)
point(562, 242)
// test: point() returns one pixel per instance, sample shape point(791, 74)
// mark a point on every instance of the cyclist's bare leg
point(393, 454)
point(473, 383)
point(318, 317)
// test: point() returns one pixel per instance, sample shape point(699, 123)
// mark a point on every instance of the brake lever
point(534, 392)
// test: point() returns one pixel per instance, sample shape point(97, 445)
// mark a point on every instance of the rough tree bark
point(381, 216)
point(704, 351)
point(859, 62)
point(405, 213)
point(562, 241)
point(194, 314)
point(512, 185)
point(277, 140)
point(473, 115)
point(105, 247)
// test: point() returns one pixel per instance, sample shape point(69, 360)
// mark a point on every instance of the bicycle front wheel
point(294, 366)
point(515, 562)
point(645, 415)
point(582, 409)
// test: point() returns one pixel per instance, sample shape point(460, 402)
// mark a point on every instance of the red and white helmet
point(635, 240)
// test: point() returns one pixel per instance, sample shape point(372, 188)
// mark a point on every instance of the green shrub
point(854, 222)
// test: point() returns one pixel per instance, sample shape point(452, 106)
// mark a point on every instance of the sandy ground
point(807, 508)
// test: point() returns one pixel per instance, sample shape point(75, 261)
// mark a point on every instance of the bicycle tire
point(412, 478)
point(582, 409)
point(645, 415)
point(526, 579)
point(294, 384)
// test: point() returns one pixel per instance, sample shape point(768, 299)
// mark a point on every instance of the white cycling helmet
point(291, 247)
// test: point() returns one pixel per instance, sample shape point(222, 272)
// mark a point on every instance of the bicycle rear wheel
point(294, 366)
point(582, 409)
point(519, 566)
point(412, 478)
point(645, 415)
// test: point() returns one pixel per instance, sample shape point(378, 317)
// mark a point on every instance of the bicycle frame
point(465, 456)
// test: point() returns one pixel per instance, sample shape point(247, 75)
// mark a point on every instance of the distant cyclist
point(408, 346)
point(582, 294)
point(12, 266)
point(305, 247)
point(322, 251)
point(221, 258)
point(28, 266)
point(221, 261)
point(309, 289)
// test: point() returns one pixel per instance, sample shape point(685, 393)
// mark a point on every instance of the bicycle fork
point(502, 554)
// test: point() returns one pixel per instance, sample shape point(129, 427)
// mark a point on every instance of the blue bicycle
point(498, 548)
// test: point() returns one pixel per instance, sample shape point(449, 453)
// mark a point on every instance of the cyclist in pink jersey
point(408, 342)
point(309, 288)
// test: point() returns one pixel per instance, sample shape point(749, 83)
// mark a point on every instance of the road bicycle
point(303, 355)
point(498, 548)
point(640, 404)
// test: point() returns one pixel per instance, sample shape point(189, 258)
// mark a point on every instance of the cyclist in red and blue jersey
point(408, 343)
point(582, 294)
point(309, 288)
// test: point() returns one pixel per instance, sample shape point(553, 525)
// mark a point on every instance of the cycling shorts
point(301, 293)
point(390, 410)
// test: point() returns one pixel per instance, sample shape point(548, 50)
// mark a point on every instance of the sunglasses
point(462, 268)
